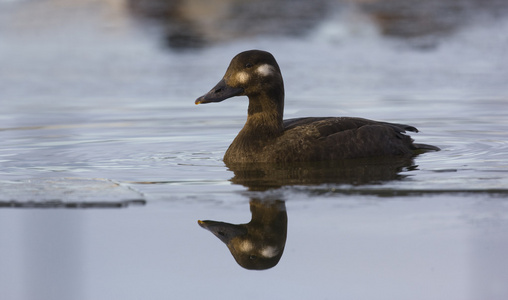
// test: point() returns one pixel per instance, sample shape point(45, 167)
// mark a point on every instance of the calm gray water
point(97, 111)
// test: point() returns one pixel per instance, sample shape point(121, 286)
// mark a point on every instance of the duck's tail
point(425, 147)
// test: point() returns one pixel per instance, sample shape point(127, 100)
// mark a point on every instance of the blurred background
point(197, 24)
point(99, 47)
point(96, 46)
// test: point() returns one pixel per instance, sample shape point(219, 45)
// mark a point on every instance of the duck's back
point(331, 138)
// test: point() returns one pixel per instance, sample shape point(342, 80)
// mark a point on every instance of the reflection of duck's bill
point(220, 92)
point(224, 231)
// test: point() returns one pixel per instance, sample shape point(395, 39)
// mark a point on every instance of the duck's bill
point(220, 92)
point(224, 231)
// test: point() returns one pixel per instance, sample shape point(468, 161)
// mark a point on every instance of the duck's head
point(250, 73)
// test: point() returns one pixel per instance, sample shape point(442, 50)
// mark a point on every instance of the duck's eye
point(252, 257)
point(248, 65)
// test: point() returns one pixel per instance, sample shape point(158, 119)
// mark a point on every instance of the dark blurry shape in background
point(197, 23)
point(188, 24)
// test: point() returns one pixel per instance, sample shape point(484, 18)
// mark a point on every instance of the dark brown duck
point(266, 137)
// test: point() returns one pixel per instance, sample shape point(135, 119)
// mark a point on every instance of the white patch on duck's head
point(265, 70)
point(269, 251)
point(242, 77)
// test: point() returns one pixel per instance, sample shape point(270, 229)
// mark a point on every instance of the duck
point(266, 137)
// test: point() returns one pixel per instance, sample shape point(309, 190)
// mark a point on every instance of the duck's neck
point(265, 113)
point(264, 123)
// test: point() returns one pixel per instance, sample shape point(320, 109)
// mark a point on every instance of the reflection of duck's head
point(259, 244)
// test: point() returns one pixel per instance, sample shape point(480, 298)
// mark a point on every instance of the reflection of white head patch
point(265, 70)
point(246, 246)
point(269, 251)
point(242, 77)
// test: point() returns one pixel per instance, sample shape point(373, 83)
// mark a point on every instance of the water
point(99, 113)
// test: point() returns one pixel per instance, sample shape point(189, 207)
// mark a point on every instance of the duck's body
point(267, 138)
point(318, 139)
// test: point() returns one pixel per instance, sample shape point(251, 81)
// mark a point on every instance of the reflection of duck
point(259, 244)
point(265, 137)
point(263, 176)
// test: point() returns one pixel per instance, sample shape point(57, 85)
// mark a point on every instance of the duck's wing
point(343, 137)
point(331, 125)
point(292, 123)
